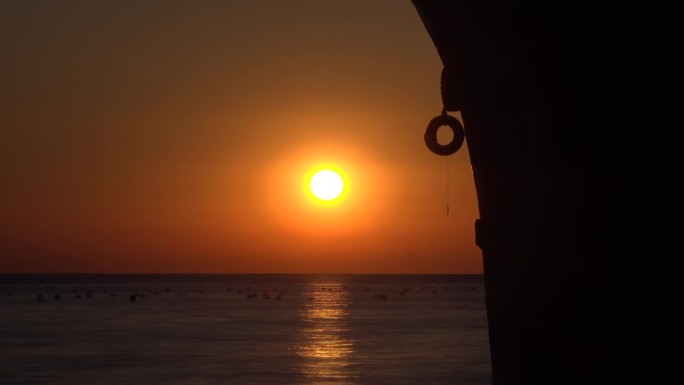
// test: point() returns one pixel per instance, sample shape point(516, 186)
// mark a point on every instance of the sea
point(253, 329)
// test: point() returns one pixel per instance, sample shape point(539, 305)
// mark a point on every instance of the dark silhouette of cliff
point(575, 195)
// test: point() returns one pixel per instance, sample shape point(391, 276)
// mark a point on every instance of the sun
point(326, 184)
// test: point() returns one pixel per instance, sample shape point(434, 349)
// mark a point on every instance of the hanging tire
point(431, 135)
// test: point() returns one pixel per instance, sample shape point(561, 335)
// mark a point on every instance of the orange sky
point(173, 136)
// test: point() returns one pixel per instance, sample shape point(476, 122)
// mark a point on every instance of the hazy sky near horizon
point(174, 136)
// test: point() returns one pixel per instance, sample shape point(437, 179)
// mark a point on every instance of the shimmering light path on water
point(325, 349)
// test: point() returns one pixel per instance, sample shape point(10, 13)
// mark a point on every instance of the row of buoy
point(133, 297)
point(276, 294)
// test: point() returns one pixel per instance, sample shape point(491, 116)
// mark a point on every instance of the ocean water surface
point(243, 329)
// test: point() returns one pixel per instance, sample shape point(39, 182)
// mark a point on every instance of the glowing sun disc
point(326, 185)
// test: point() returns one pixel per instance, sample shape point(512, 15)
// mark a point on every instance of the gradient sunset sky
point(174, 137)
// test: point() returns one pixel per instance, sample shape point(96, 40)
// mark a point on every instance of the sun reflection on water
point(325, 350)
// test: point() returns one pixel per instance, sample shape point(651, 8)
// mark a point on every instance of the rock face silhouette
point(571, 223)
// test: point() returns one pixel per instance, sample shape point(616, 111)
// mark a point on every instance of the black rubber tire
point(431, 135)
